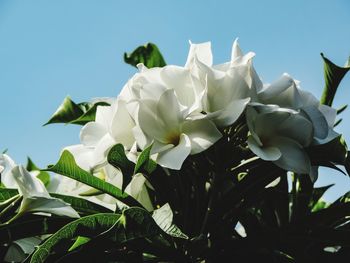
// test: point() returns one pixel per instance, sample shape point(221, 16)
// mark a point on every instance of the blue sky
point(50, 49)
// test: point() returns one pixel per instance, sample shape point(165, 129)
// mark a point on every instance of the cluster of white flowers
point(182, 111)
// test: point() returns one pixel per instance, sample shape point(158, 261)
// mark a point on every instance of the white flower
point(35, 196)
point(164, 122)
point(280, 135)
point(112, 125)
point(285, 92)
point(228, 86)
point(151, 83)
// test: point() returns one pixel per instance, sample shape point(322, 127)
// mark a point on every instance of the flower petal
point(202, 134)
point(293, 158)
point(174, 157)
point(7, 165)
point(231, 113)
point(92, 133)
point(202, 51)
point(267, 153)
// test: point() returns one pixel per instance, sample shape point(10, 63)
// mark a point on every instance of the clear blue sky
point(50, 49)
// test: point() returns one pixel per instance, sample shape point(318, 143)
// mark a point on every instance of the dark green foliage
point(70, 112)
point(148, 54)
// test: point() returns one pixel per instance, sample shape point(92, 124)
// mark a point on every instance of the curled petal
point(174, 157)
point(267, 153)
point(202, 134)
point(293, 157)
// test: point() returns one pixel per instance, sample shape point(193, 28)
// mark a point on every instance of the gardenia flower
point(164, 122)
point(227, 87)
point(280, 135)
point(151, 83)
point(285, 92)
point(35, 196)
point(112, 125)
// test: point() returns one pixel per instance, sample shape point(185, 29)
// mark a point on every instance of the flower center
point(173, 138)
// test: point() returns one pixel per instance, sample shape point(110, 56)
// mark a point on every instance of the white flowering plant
point(193, 163)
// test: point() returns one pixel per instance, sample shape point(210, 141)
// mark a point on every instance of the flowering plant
point(186, 164)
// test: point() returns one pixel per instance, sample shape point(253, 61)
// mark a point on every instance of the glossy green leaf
point(82, 206)
point(144, 162)
point(164, 219)
point(148, 54)
point(333, 75)
point(31, 225)
point(42, 175)
point(89, 114)
point(117, 158)
point(81, 240)
point(88, 226)
point(70, 112)
point(134, 223)
point(7, 193)
point(67, 166)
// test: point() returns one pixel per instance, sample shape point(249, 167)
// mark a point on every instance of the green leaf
point(72, 113)
point(134, 223)
point(88, 226)
point(117, 158)
point(81, 240)
point(334, 151)
point(333, 75)
point(347, 163)
point(82, 206)
point(341, 109)
point(164, 219)
point(7, 193)
point(43, 176)
point(144, 162)
point(89, 114)
point(31, 225)
point(317, 193)
point(67, 166)
point(148, 54)
point(66, 112)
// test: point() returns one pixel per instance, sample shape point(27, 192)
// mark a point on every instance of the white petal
point(150, 124)
point(122, 125)
point(92, 133)
point(84, 156)
point(174, 157)
point(48, 205)
point(168, 110)
point(298, 128)
point(318, 120)
point(277, 87)
point(180, 80)
point(202, 134)
point(137, 189)
point(267, 153)
point(202, 51)
point(7, 164)
point(231, 113)
point(28, 184)
point(329, 113)
point(104, 115)
point(293, 158)
point(102, 148)
point(236, 51)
